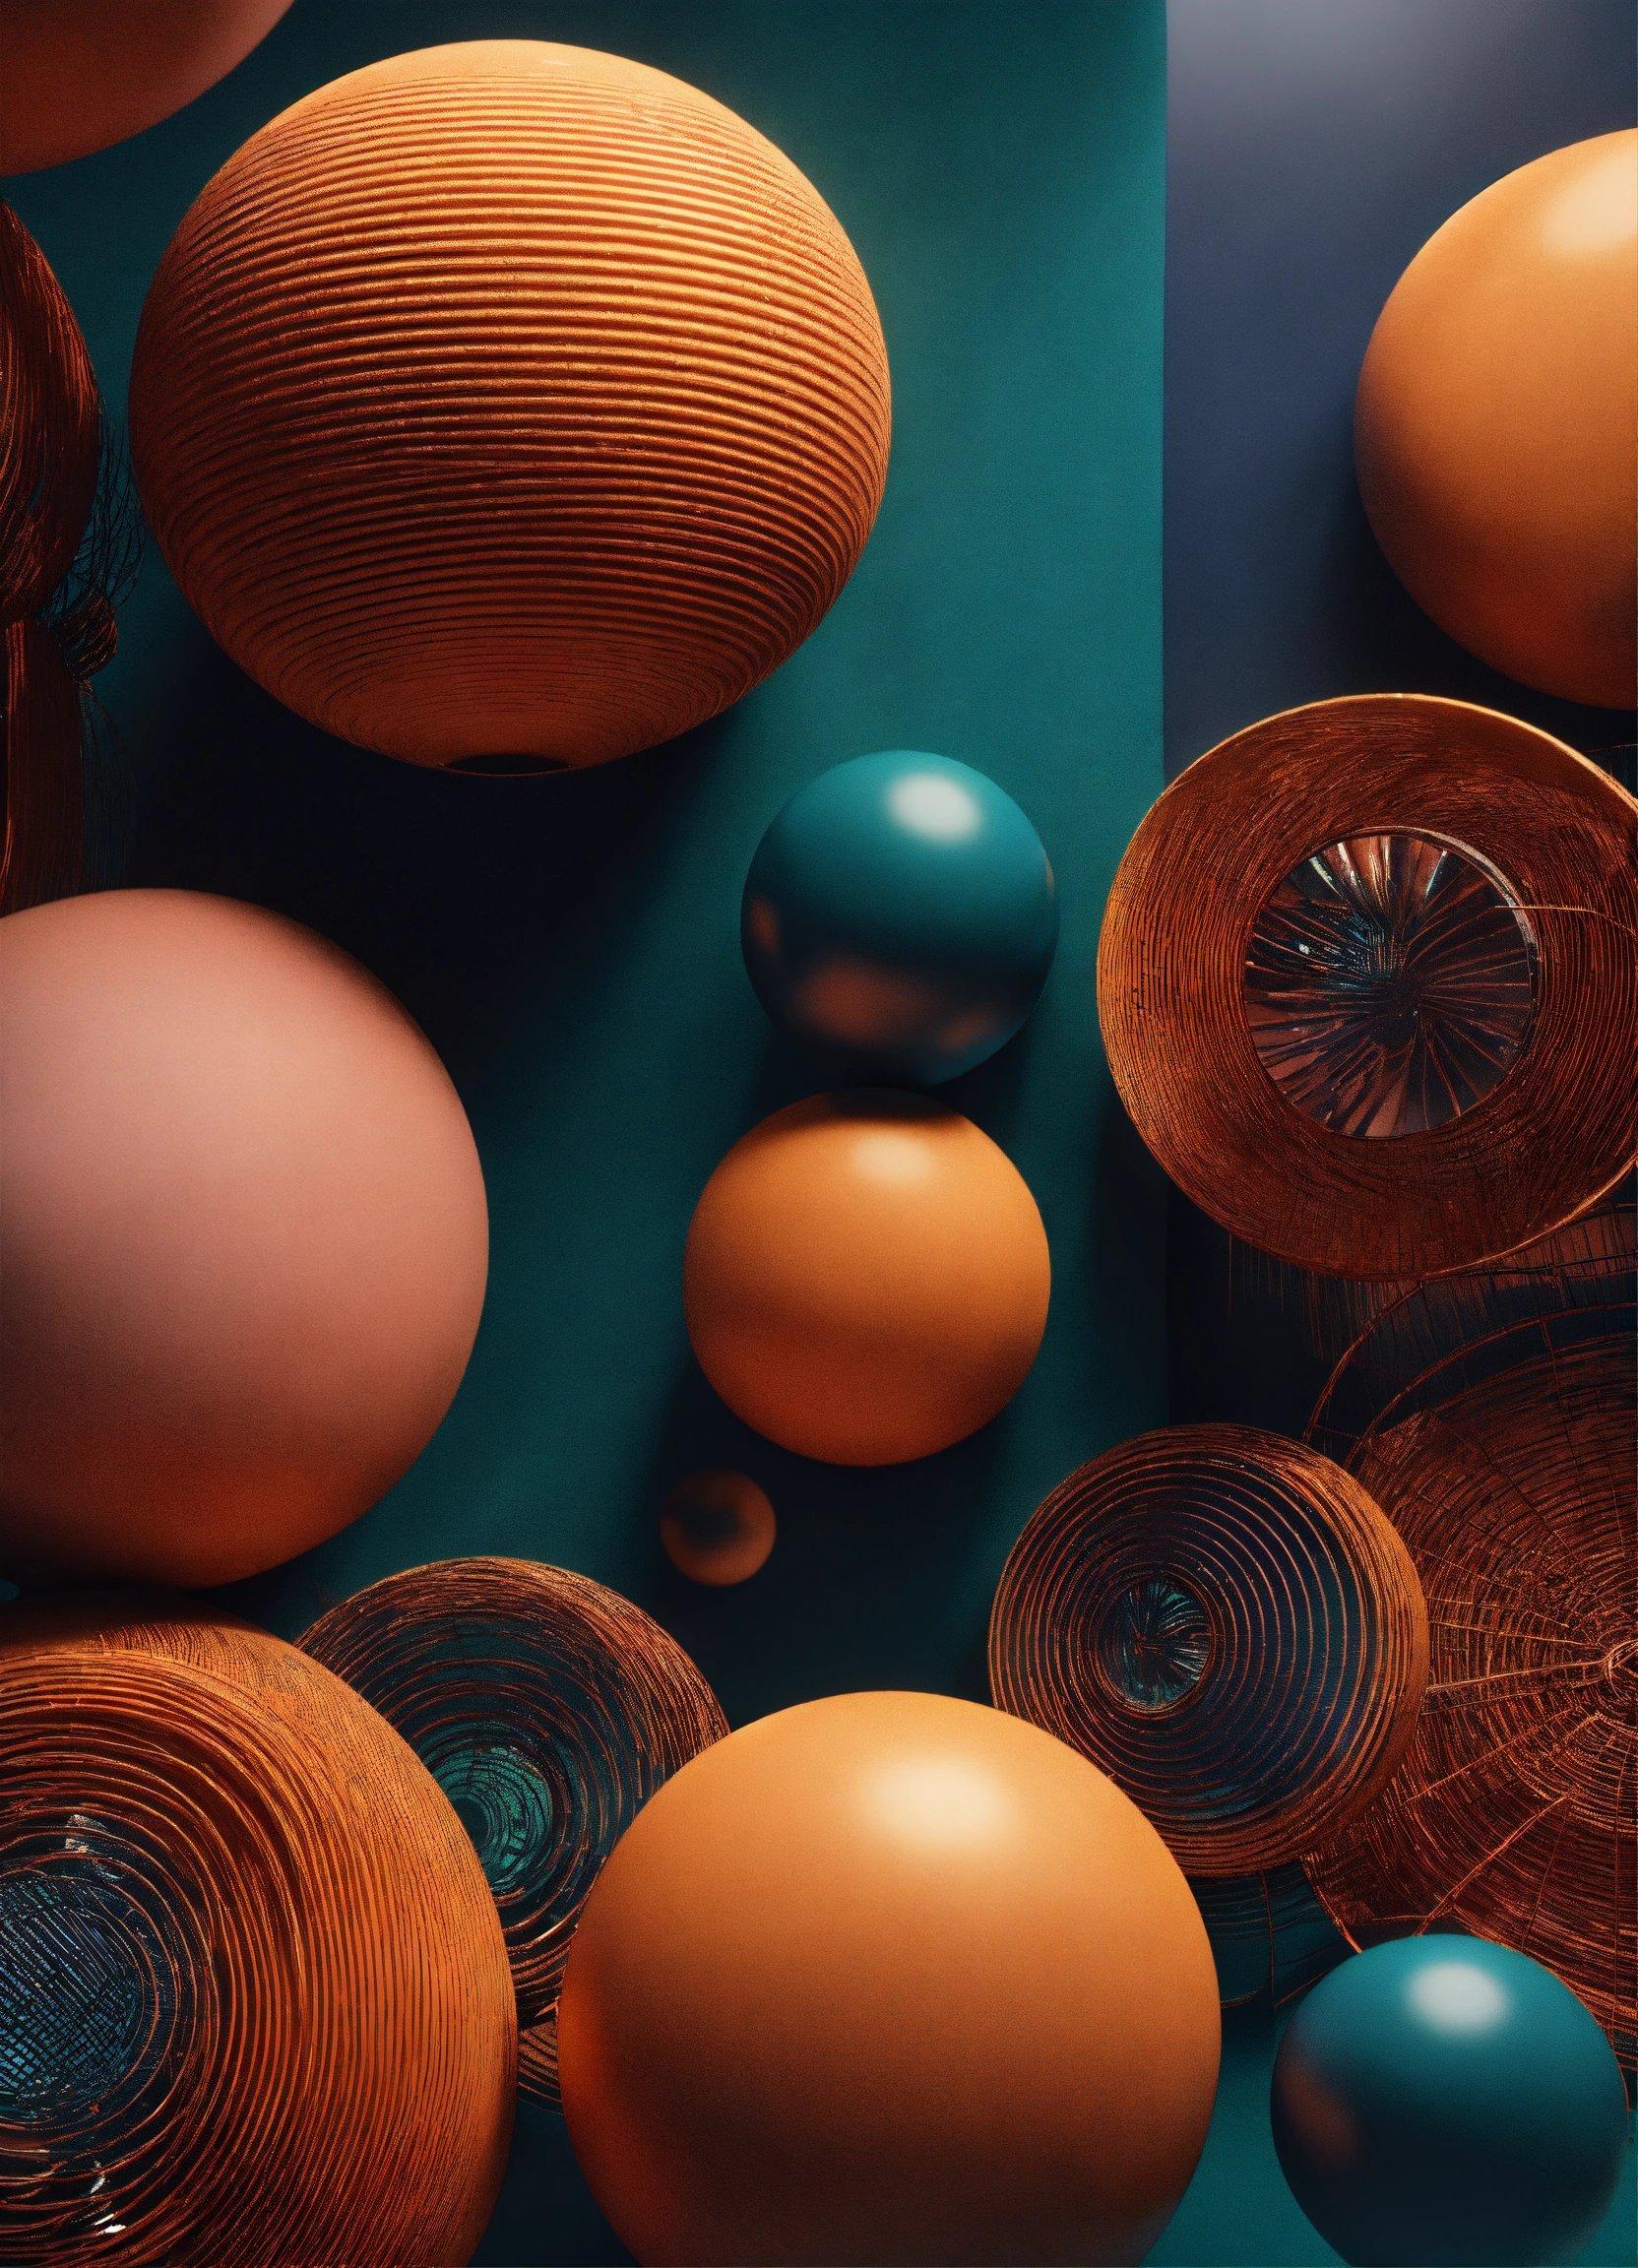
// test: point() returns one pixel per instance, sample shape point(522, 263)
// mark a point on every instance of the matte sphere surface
point(717, 1527)
point(889, 1977)
point(243, 1242)
point(1496, 427)
point(1443, 2100)
point(83, 74)
point(901, 914)
point(866, 1278)
point(508, 401)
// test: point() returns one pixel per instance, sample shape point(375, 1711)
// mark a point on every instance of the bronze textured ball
point(254, 2002)
point(506, 401)
point(243, 1242)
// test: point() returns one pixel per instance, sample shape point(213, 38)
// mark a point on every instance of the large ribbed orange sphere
point(866, 1278)
point(242, 1244)
point(1496, 427)
point(507, 400)
point(889, 1977)
point(82, 74)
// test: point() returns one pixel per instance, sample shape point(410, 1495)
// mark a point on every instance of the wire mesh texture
point(1495, 1419)
point(68, 545)
point(254, 2003)
point(1368, 984)
point(1270, 1937)
point(1224, 1621)
point(550, 1709)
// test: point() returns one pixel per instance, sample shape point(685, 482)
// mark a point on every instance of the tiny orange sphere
point(717, 1527)
point(1496, 427)
point(885, 1978)
point(866, 1278)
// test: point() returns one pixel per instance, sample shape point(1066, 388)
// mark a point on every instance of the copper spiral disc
point(1227, 1624)
point(550, 1709)
point(1369, 987)
point(1515, 1811)
point(1271, 1938)
point(1455, 1331)
point(253, 1999)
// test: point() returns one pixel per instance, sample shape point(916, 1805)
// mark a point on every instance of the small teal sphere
point(1444, 2100)
point(901, 915)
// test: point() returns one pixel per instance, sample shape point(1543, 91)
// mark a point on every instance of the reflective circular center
point(1155, 1644)
point(84, 1991)
point(505, 1806)
point(1390, 984)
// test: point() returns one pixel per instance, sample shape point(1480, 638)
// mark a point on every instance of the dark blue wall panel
point(1313, 147)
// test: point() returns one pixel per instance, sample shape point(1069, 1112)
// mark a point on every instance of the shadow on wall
point(471, 898)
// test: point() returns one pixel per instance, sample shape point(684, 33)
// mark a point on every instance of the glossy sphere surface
point(1497, 426)
point(1443, 2100)
point(506, 401)
point(243, 1242)
point(83, 74)
point(901, 914)
point(889, 1977)
point(717, 1527)
point(866, 1278)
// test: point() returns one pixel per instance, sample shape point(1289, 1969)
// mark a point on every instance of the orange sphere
point(508, 401)
point(83, 74)
point(717, 1527)
point(889, 1977)
point(243, 1242)
point(1496, 427)
point(866, 1278)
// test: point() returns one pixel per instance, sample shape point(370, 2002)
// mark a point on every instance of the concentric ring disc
point(1515, 1811)
point(254, 2003)
point(1472, 1007)
point(548, 1709)
point(1226, 1623)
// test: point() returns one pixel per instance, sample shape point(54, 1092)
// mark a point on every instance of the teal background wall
point(571, 945)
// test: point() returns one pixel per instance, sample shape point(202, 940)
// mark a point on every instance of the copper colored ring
point(254, 2003)
point(550, 1709)
point(1561, 1125)
point(1225, 1623)
point(1515, 1811)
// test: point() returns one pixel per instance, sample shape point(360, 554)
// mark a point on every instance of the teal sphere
point(900, 914)
point(1444, 2100)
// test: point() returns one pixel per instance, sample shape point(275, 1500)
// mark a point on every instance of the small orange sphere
point(1496, 427)
point(866, 1278)
point(717, 1527)
point(510, 400)
point(889, 1977)
point(243, 1242)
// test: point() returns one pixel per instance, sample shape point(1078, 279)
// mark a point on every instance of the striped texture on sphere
point(510, 400)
